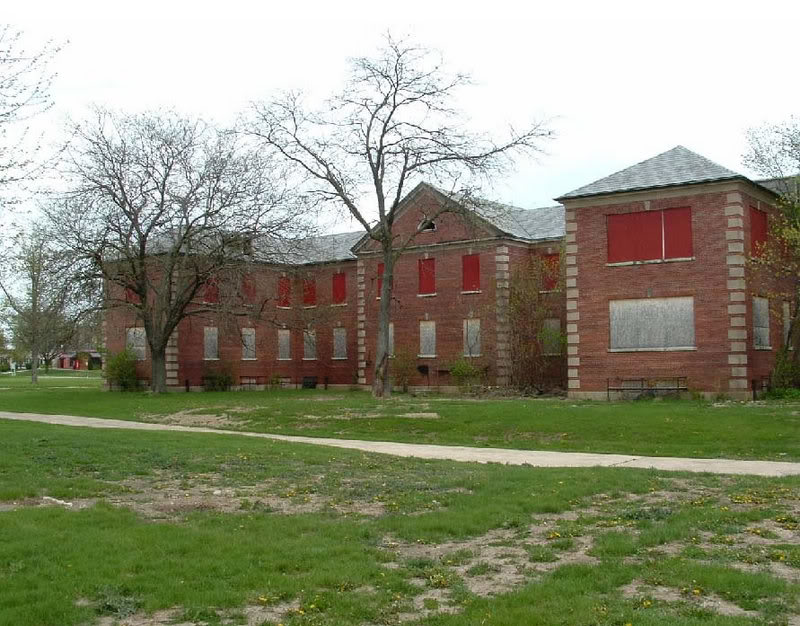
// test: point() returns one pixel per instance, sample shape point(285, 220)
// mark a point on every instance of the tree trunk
point(382, 383)
point(158, 370)
point(34, 365)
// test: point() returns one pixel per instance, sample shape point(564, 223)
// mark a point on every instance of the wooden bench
point(647, 386)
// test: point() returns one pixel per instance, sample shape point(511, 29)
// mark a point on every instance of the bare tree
point(162, 206)
point(393, 125)
point(774, 152)
point(25, 80)
point(39, 291)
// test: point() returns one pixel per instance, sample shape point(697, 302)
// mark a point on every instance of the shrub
point(121, 371)
point(402, 369)
point(218, 378)
point(786, 373)
point(464, 372)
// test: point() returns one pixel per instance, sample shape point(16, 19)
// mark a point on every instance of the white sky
point(621, 81)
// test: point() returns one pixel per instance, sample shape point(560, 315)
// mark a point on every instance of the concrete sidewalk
point(454, 453)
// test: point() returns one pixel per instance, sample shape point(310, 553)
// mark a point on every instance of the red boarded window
point(309, 292)
point(551, 271)
point(132, 296)
point(248, 289)
point(758, 231)
point(211, 292)
point(427, 276)
point(678, 233)
point(284, 291)
point(339, 288)
point(471, 272)
point(650, 235)
point(380, 279)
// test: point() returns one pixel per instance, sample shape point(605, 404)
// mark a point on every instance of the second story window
point(550, 271)
point(650, 235)
point(309, 292)
point(211, 292)
point(470, 273)
point(380, 279)
point(758, 231)
point(339, 288)
point(427, 277)
point(284, 292)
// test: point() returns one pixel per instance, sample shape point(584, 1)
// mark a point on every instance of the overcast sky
point(620, 81)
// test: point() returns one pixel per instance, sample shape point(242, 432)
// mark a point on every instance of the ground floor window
point(550, 336)
point(761, 323)
point(284, 344)
point(427, 339)
point(210, 343)
point(135, 341)
point(248, 344)
point(309, 345)
point(472, 337)
point(339, 343)
point(651, 324)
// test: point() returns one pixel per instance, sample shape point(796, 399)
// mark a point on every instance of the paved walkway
point(454, 453)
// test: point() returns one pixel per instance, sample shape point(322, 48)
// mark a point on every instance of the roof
point(782, 184)
point(679, 166)
point(325, 248)
point(532, 224)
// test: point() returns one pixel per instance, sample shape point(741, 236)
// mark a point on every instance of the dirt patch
point(428, 416)
point(74, 505)
point(253, 615)
point(695, 596)
point(191, 417)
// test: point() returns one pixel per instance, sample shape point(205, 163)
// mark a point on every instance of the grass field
point(660, 428)
point(115, 527)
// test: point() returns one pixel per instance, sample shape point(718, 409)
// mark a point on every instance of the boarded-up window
point(427, 339)
point(472, 337)
point(339, 288)
point(391, 338)
point(309, 345)
point(211, 292)
point(284, 344)
point(758, 231)
point(284, 291)
point(380, 279)
point(550, 271)
point(309, 292)
point(248, 289)
point(427, 276)
point(650, 235)
point(471, 272)
point(339, 343)
point(787, 321)
point(210, 342)
point(760, 323)
point(550, 336)
point(135, 341)
point(248, 343)
point(678, 233)
point(131, 296)
point(652, 324)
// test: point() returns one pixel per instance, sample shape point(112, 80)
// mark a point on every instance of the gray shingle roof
point(679, 166)
point(327, 248)
point(532, 224)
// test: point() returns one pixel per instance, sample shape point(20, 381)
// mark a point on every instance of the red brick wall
point(704, 278)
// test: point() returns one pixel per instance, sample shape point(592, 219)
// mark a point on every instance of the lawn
point(107, 527)
point(657, 428)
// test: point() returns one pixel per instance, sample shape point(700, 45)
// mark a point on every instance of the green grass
point(340, 561)
point(666, 428)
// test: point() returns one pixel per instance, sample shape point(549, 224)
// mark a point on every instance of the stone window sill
point(675, 349)
point(285, 358)
point(426, 356)
point(465, 293)
point(249, 358)
point(765, 348)
point(339, 304)
point(651, 261)
point(211, 358)
point(339, 358)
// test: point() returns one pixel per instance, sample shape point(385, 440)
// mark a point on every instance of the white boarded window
point(550, 336)
point(760, 322)
point(135, 341)
point(284, 344)
point(339, 343)
point(248, 344)
point(651, 324)
point(391, 338)
point(472, 337)
point(210, 342)
point(787, 321)
point(427, 339)
point(309, 345)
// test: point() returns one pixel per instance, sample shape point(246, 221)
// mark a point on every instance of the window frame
point(471, 321)
point(473, 286)
point(341, 330)
point(284, 288)
point(759, 302)
point(138, 332)
point(309, 339)
point(640, 317)
point(287, 333)
point(663, 258)
point(431, 325)
point(249, 331)
point(340, 277)
point(206, 334)
point(427, 277)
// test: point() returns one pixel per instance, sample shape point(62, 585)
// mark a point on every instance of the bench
point(249, 382)
point(647, 386)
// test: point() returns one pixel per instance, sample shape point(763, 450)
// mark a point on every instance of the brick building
point(653, 263)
